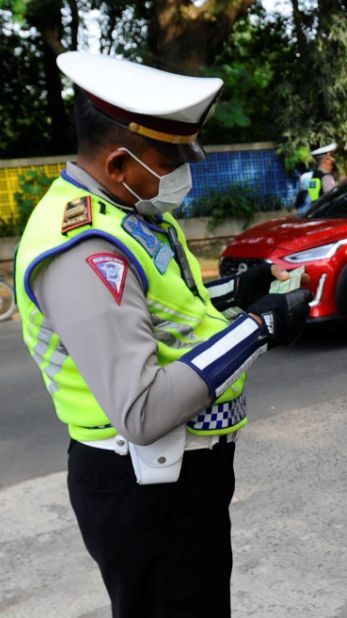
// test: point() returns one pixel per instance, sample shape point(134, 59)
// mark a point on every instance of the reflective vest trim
point(172, 332)
point(164, 309)
point(49, 355)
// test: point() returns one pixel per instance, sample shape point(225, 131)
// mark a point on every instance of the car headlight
point(316, 253)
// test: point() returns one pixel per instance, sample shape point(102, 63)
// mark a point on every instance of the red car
point(317, 240)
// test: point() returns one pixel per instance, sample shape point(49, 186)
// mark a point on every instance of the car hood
point(293, 233)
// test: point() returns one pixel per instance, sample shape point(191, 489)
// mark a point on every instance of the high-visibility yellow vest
point(314, 188)
point(192, 317)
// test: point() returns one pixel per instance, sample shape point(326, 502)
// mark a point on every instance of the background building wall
point(252, 165)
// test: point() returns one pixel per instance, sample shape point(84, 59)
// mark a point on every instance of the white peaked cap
point(159, 105)
point(324, 149)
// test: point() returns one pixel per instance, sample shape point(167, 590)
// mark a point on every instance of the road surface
point(288, 514)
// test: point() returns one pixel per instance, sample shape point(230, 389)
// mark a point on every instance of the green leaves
point(254, 59)
point(237, 201)
point(311, 100)
point(231, 114)
point(9, 227)
point(16, 7)
point(33, 185)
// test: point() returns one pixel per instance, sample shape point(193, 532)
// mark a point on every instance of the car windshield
point(331, 206)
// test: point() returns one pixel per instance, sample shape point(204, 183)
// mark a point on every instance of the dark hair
point(96, 130)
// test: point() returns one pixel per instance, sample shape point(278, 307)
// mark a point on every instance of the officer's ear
point(116, 164)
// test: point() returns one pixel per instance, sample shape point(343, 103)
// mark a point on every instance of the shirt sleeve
point(114, 347)
point(328, 183)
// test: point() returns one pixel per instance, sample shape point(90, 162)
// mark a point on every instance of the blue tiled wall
point(261, 169)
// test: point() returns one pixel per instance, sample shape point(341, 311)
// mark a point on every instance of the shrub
point(9, 227)
point(236, 201)
point(33, 185)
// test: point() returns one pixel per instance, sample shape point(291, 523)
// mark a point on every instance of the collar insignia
point(77, 213)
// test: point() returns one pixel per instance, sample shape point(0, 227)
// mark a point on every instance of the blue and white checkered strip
point(221, 359)
point(220, 415)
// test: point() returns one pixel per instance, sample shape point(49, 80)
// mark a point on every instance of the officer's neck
point(89, 174)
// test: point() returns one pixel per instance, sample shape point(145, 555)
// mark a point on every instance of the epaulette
point(77, 213)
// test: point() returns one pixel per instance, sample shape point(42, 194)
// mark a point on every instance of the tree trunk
point(74, 24)
point(183, 37)
point(56, 109)
point(299, 31)
point(49, 24)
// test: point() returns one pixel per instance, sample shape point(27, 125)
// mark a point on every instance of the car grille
point(231, 266)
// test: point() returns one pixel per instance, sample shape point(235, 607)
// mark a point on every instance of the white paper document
point(282, 287)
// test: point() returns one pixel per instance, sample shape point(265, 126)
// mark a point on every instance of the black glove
point(284, 315)
point(252, 285)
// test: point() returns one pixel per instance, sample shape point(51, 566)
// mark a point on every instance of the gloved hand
point(283, 315)
point(252, 285)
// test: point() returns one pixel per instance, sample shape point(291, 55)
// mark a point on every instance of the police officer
point(138, 355)
point(322, 179)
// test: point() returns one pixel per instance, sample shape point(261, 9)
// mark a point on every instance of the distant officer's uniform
point(321, 181)
point(145, 370)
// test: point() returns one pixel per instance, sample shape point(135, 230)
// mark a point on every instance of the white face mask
point(172, 189)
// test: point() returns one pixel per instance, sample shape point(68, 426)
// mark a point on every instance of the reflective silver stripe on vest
point(220, 289)
point(44, 337)
point(220, 416)
point(29, 336)
point(55, 362)
point(167, 331)
point(165, 309)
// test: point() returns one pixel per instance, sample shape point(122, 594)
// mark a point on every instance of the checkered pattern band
point(220, 416)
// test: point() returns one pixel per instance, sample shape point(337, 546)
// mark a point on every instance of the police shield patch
point(112, 270)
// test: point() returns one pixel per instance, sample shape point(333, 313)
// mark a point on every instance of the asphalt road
point(288, 513)
point(33, 442)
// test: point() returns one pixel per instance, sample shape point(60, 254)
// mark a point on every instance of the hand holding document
point(293, 282)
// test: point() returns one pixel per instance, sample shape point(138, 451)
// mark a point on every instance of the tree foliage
point(310, 100)
point(23, 107)
point(173, 34)
point(251, 65)
point(285, 77)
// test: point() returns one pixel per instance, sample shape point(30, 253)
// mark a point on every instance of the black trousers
point(164, 551)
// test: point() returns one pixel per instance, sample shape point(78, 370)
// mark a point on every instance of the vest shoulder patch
point(112, 270)
point(144, 235)
point(77, 213)
point(160, 252)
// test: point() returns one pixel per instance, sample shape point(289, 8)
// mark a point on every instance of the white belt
point(161, 461)
point(120, 445)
